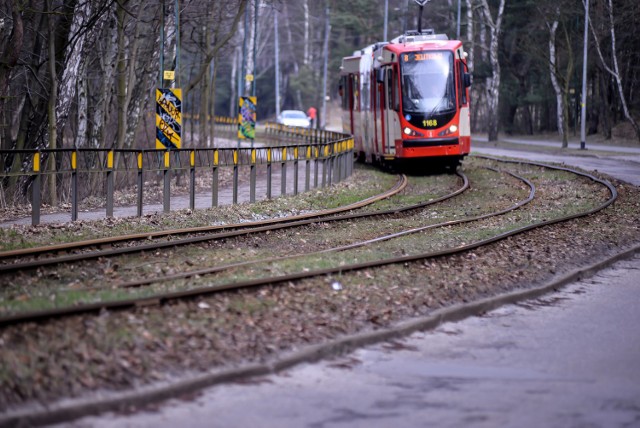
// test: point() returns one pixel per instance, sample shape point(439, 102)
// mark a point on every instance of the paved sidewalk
point(573, 145)
point(202, 200)
point(620, 162)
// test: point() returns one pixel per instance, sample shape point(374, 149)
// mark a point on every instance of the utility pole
point(583, 104)
point(161, 74)
point(386, 19)
point(323, 117)
point(255, 47)
point(177, 70)
point(244, 54)
point(242, 80)
point(277, 60)
point(458, 22)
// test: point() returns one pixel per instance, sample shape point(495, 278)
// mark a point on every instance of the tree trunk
point(493, 83)
point(100, 110)
point(604, 105)
point(470, 39)
point(121, 78)
point(74, 65)
point(140, 80)
point(212, 109)
point(561, 100)
point(305, 56)
point(51, 108)
point(615, 72)
point(296, 66)
point(8, 60)
point(234, 84)
point(203, 137)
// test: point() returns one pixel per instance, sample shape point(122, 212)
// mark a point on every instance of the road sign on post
point(247, 118)
point(168, 118)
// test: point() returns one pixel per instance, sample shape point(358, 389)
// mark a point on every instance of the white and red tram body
point(408, 100)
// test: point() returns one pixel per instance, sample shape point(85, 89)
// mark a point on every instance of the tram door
point(389, 112)
point(378, 111)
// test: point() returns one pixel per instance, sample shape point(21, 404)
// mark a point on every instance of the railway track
point(236, 275)
point(12, 260)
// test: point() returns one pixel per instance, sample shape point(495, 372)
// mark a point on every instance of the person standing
point(311, 114)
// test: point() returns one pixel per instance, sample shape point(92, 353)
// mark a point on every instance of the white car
point(294, 118)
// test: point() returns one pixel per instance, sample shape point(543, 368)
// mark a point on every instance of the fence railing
point(327, 157)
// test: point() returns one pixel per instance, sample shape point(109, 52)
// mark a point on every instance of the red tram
point(408, 99)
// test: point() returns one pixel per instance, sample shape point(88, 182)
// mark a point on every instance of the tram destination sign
point(422, 56)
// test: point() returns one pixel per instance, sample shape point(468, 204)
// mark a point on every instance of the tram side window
point(375, 99)
point(462, 89)
point(396, 98)
point(355, 85)
point(392, 90)
point(344, 93)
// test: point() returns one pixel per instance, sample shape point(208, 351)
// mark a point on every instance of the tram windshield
point(428, 83)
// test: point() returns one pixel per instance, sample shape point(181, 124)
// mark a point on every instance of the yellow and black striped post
point(269, 173)
point(214, 180)
point(339, 158)
point(192, 184)
point(74, 185)
point(307, 168)
point(35, 189)
point(283, 172)
point(351, 156)
point(139, 157)
point(110, 186)
point(252, 177)
point(315, 167)
point(235, 176)
point(166, 194)
point(326, 164)
point(295, 170)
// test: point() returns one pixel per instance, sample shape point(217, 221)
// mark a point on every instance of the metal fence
point(324, 157)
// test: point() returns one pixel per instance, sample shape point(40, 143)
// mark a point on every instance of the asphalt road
point(569, 359)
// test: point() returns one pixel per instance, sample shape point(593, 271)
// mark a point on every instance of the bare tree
point(493, 84)
point(614, 70)
point(561, 91)
point(10, 47)
point(53, 96)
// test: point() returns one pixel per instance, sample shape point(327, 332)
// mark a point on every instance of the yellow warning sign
point(168, 118)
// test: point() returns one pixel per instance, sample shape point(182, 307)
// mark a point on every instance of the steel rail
point(208, 271)
point(400, 184)
point(276, 225)
point(206, 290)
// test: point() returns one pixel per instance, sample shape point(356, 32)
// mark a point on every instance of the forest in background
point(83, 73)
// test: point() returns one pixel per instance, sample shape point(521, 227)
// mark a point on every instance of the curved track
point(234, 230)
point(231, 285)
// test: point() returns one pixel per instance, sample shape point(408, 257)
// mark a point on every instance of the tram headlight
point(447, 131)
point(412, 133)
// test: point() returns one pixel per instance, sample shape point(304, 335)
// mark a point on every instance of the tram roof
point(399, 45)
